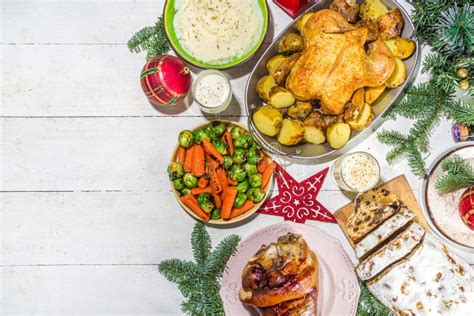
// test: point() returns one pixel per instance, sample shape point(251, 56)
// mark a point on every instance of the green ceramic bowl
point(169, 13)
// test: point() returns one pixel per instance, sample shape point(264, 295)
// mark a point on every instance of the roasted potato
point(264, 86)
point(347, 8)
point(314, 128)
point(398, 76)
point(274, 63)
point(401, 47)
point(281, 98)
point(291, 43)
point(332, 119)
point(363, 119)
point(390, 24)
point(302, 21)
point(268, 120)
point(354, 107)
point(291, 132)
point(284, 70)
point(372, 9)
point(373, 93)
point(300, 110)
point(338, 135)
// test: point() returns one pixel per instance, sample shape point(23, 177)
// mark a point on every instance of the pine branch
point(217, 260)
point(151, 39)
point(459, 174)
point(177, 271)
point(460, 112)
point(369, 305)
point(201, 244)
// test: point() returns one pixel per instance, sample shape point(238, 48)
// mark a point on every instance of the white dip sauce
point(360, 171)
point(217, 30)
point(212, 90)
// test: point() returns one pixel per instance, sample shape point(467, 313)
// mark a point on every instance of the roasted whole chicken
point(335, 63)
point(282, 278)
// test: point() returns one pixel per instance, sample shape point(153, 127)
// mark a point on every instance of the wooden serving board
point(400, 187)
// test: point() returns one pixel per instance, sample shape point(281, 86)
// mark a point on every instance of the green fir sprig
point(199, 281)
point(151, 39)
point(459, 174)
point(448, 26)
point(369, 305)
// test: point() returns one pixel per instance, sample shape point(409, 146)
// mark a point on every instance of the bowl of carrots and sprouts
point(219, 174)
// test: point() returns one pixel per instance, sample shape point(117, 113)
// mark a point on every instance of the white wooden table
point(86, 208)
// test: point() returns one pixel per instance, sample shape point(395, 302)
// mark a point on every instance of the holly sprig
point(199, 280)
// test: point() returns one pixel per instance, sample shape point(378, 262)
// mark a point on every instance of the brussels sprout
point(178, 184)
point(236, 131)
point(240, 199)
point(199, 134)
point(254, 155)
point(255, 195)
point(216, 214)
point(237, 173)
point(243, 186)
point(220, 146)
point(185, 191)
point(244, 141)
point(190, 180)
point(217, 130)
point(239, 156)
point(185, 138)
point(205, 202)
point(227, 162)
point(175, 170)
point(255, 180)
point(250, 169)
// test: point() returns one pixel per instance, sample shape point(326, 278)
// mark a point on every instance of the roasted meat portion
point(282, 278)
point(335, 62)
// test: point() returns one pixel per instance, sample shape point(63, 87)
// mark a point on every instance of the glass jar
point(212, 91)
point(356, 172)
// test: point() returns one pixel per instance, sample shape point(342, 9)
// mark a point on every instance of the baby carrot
point(202, 183)
point(211, 150)
point(199, 164)
point(180, 155)
point(217, 200)
point(228, 201)
point(191, 202)
point(231, 182)
point(262, 165)
point(227, 138)
point(188, 159)
point(243, 209)
point(215, 183)
point(197, 190)
point(222, 176)
point(267, 174)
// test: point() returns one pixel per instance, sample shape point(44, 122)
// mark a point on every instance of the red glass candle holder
point(292, 7)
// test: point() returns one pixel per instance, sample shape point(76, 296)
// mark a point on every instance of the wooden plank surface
point(398, 186)
point(86, 211)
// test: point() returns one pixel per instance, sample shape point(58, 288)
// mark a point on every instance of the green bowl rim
point(234, 62)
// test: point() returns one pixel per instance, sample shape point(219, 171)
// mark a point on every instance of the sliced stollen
point(370, 209)
point(383, 232)
point(396, 249)
point(432, 281)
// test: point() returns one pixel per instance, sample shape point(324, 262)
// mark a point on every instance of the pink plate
point(338, 287)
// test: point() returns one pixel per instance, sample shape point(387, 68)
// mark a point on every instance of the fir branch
point(369, 305)
point(217, 260)
point(459, 174)
point(151, 39)
point(177, 271)
point(201, 244)
point(460, 112)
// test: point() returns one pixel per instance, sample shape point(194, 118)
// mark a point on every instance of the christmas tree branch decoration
point(448, 26)
point(151, 39)
point(459, 175)
point(199, 281)
point(369, 305)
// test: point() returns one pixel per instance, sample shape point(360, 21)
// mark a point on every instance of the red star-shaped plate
point(296, 201)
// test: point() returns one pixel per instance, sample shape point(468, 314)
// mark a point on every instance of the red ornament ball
point(165, 80)
point(466, 207)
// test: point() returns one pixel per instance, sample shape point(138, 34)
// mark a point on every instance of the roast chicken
point(335, 62)
point(282, 278)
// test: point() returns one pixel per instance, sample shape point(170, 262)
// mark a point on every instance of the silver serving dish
point(312, 153)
